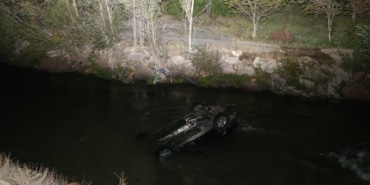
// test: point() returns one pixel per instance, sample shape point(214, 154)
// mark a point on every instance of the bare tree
point(255, 10)
point(330, 8)
point(188, 7)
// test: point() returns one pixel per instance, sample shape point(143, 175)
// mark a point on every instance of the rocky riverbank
point(314, 74)
point(317, 73)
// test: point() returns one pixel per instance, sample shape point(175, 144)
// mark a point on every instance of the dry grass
point(14, 173)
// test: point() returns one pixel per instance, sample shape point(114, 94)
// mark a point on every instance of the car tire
point(221, 122)
point(164, 152)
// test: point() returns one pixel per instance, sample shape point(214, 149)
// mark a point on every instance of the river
point(85, 128)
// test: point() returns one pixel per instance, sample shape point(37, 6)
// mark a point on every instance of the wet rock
point(307, 83)
point(144, 73)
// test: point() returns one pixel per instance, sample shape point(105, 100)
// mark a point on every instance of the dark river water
point(86, 128)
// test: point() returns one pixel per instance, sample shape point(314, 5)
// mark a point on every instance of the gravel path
point(176, 34)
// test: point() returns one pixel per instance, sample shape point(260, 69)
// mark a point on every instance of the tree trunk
point(353, 16)
point(353, 12)
point(191, 25)
point(330, 22)
point(255, 25)
point(134, 22)
point(209, 2)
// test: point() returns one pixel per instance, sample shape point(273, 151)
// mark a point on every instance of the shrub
point(206, 60)
point(282, 35)
point(291, 70)
point(361, 57)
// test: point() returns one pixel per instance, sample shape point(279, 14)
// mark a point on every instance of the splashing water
point(357, 160)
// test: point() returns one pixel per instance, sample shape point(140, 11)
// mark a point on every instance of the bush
point(291, 70)
point(207, 61)
point(363, 33)
point(282, 35)
point(361, 57)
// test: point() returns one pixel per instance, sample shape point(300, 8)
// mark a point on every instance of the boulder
point(230, 60)
point(136, 57)
point(144, 73)
point(307, 83)
point(257, 62)
point(337, 54)
point(179, 60)
point(227, 68)
point(248, 70)
point(269, 67)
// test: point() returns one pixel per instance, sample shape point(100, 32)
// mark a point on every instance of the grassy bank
point(308, 31)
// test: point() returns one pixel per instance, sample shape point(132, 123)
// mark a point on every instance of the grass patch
point(309, 31)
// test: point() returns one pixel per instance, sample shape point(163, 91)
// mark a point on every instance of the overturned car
point(202, 121)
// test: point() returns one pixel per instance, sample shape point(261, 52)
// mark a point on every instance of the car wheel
point(164, 153)
point(221, 123)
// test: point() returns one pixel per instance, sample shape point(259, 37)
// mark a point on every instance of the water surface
point(86, 128)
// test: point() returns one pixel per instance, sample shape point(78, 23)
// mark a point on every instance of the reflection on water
point(86, 127)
